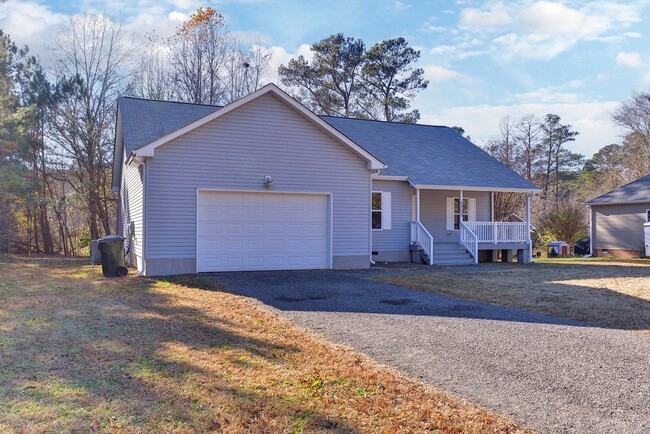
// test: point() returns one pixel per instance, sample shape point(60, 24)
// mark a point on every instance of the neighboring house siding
point(618, 226)
point(131, 210)
point(236, 151)
point(433, 211)
point(393, 244)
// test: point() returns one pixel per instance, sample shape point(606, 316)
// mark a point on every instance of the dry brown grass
point(610, 293)
point(82, 353)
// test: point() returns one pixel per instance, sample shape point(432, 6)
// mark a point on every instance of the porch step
point(451, 254)
point(453, 261)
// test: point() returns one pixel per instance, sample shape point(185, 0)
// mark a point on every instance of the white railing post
point(469, 240)
point(421, 236)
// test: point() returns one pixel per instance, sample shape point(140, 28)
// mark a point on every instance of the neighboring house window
point(381, 210)
point(455, 212)
point(647, 216)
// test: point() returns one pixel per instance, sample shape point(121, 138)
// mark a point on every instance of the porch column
point(530, 241)
point(460, 212)
point(492, 206)
point(417, 204)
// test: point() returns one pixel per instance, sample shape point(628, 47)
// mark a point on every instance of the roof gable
point(149, 149)
point(637, 191)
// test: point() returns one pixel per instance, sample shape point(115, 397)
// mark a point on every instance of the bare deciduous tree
point(150, 77)
point(634, 115)
point(91, 58)
point(199, 52)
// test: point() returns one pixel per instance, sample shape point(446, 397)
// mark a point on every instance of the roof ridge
point(169, 101)
point(384, 122)
point(609, 193)
point(624, 185)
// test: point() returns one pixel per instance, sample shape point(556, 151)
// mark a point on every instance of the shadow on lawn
point(68, 346)
point(365, 292)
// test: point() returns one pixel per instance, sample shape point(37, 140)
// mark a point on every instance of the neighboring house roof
point(427, 155)
point(637, 191)
point(430, 155)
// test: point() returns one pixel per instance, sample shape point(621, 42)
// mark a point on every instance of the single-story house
point(616, 220)
point(265, 184)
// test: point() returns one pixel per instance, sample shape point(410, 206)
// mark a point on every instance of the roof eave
point(625, 202)
point(476, 188)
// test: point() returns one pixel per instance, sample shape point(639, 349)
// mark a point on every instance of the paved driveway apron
point(552, 375)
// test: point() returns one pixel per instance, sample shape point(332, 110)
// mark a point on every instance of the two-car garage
point(238, 230)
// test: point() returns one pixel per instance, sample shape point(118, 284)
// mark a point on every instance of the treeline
point(536, 148)
point(57, 123)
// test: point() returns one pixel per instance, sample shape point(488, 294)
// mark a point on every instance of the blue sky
point(484, 59)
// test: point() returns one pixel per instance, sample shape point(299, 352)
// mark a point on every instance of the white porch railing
point(499, 232)
point(469, 240)
point(420, 235)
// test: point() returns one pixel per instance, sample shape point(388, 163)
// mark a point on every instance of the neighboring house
point(616, 220)
point(265, 184)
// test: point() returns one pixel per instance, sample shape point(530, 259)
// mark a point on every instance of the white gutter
point(591, 237)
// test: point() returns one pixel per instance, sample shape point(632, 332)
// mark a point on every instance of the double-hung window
point(381, 210)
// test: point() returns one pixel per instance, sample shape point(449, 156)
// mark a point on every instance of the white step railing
point(469, 240)
point(420, 235)
point(499, 232)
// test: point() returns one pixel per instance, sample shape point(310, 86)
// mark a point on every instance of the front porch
point(466, 231)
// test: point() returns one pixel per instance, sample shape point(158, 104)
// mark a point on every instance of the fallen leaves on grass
point(181, 355)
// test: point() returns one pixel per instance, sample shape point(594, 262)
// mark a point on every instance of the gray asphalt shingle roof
point(145, 121)
point(427, 155)
point(635, 191)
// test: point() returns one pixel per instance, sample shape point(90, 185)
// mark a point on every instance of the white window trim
point(386, 211)
point(449, 211)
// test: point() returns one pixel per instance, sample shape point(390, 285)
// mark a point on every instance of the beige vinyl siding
point(131, 209)
point(398, 237)
point(618, 226)
point(235, 152)
point(433, 211)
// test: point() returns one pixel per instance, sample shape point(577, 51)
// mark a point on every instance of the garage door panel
point(262, 231)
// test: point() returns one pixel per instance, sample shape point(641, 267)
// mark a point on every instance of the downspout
point(591, 235)
point(372, 172)
point(530, 240)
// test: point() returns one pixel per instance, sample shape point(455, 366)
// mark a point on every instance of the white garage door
point(262, 231)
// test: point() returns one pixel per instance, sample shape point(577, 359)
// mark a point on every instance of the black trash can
point(111, 248)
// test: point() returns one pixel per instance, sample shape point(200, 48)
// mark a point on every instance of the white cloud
point(591, 120)
point(437, 73)
point(548, 96)
point(177, 16)
point(30, 23)
point(400, 6)
point(633, 59)
point(549, 18)
point(280, 56)
point(490, 17)
point(544, 29)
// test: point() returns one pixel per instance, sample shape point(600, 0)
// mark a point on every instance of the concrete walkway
point(552, 375)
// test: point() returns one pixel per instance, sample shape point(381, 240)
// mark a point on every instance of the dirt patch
point(81, 353)
point(606, 293)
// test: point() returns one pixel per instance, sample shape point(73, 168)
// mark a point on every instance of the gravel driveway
point(553, 375)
